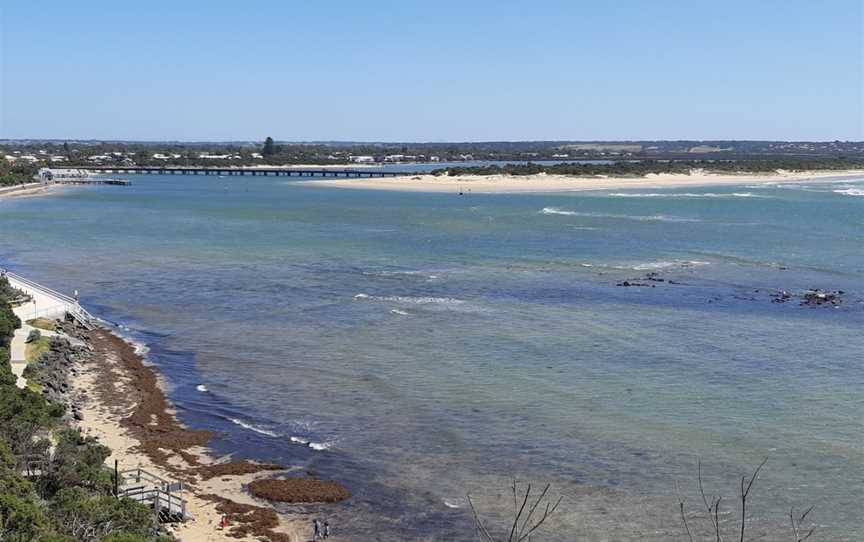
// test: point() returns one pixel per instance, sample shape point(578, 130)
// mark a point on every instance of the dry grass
point(43, 323)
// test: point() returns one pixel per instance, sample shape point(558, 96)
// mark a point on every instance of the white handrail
point(71, 304)
point(43, 289)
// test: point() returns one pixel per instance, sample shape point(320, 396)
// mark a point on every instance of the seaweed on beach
point(298, 490)
point(150, 420)
point(235, 468)
point(248, 520)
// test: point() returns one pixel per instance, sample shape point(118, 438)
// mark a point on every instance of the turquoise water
point(422, 346)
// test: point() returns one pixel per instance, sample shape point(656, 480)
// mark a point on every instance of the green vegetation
point(70, 499)
point(274, 152)
point(35, 348)
point(12, 174)
point(644, 167)
point(269, 148)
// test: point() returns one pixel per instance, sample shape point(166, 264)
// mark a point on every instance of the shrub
point(78, 462)
point(88, 518)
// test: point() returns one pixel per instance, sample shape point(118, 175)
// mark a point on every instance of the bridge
point(229, 171)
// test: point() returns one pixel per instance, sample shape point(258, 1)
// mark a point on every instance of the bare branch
point(519, 514)
point(683, 515)
point(481, 529)
point(796, 524)
point(546, 513)
point(745, 492)
point(531, 511)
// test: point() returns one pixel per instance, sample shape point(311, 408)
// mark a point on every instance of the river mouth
point(418, 348)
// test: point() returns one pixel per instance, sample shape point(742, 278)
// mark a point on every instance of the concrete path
point(44, 303)
point(18, 348)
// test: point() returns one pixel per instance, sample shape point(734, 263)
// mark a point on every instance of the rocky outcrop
point(54, 369)
point(649, 280)
point(810, 298)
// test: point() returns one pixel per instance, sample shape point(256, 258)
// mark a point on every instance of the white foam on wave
point(557, 211)
point(640, 218)
point(664, 264)
point(317, 446)
point(202, 388)
point(401, 274)
point(450, 504)
point(254, 428)
point(684, 195)
point(140, 348)
point(424, 300)
point(400, 313)
point(851, 191)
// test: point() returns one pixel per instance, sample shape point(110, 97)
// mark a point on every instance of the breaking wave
point(318, 446)
point(640, 218)
point(557, 211)
point(683, 195)
point(411, 300)
point(401, 274)
point(254, 428)
point(681, 264)
point(851, 191)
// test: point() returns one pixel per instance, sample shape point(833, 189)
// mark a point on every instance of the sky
point(472, 70)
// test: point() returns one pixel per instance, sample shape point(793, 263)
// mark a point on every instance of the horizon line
point(415, 142)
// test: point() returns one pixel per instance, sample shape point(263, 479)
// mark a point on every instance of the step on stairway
point(162, 496)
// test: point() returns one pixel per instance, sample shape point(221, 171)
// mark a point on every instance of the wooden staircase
point(162, 496)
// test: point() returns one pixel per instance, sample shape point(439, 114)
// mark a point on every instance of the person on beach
point(316, 529)
point(326, 529)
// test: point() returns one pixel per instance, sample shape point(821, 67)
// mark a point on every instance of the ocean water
point(420, 347)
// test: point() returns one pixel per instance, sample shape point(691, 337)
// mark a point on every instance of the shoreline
point(539, 183)
point(122, 404)
point(27, 190)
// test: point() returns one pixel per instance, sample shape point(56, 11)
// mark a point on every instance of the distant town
point(269, 152)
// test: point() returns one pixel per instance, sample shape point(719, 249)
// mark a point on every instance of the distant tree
point(66, 147)
point(269, 148)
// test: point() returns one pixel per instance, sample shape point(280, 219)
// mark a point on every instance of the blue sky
point(432, 71)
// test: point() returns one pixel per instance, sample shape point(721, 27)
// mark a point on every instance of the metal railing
point(70, 303)
point(162, 495)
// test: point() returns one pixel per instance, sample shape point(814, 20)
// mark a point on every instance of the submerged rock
point(819, 297)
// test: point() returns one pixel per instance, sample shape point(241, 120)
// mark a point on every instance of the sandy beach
point(507, 184)
point(26, 190)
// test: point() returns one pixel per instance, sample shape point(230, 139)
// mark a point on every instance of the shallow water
point(422, 346)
